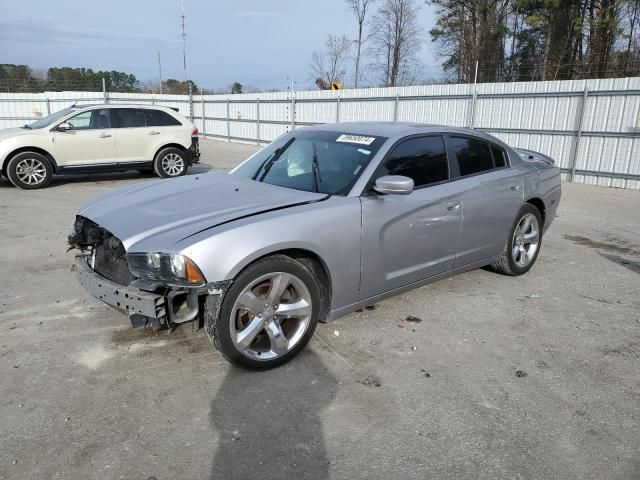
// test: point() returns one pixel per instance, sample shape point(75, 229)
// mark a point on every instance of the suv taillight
point(194, 133)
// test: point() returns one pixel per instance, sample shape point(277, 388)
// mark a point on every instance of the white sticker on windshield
point(356, 139)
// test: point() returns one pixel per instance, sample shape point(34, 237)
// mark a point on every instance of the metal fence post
point(190, 102)
point(258, 121)
point(338, 109)
point(228, 120)
point(395, 108)
point(474, 99)
point(293, 111)
point(204, 122)
point(104, 91)
point(576, 146)
point(48, 107)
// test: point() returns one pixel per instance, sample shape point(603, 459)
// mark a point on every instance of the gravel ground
point(493, 377)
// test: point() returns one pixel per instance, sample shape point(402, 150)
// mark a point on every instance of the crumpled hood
point(167, 211)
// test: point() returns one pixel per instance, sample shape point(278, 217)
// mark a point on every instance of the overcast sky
point(254, 42)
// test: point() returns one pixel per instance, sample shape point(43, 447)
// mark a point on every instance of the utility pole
point(184, 45)
point(160, 71)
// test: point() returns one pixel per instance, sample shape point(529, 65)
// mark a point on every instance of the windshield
point(326, 162)
point(48, 120)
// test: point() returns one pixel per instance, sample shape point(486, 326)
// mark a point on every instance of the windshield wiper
point(315, 168)
point(268, 163)
point(26, 127)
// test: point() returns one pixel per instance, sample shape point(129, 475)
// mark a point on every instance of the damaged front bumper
point(141, 306)
point(154, 304)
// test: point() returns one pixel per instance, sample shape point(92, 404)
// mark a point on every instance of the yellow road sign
point(336, 86)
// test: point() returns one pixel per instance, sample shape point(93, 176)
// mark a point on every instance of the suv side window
point(474, 156)
point(128, 117)
point(91, 120)
point(423, 159)
point(158, 118)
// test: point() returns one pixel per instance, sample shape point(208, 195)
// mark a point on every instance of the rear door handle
point(104, 135)
point(515, 187)
point(154, 133)
point(452, 206)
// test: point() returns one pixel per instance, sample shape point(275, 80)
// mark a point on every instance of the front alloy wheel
point(268, 315)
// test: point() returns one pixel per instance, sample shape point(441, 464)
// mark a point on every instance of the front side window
point(322, 161)
point(158, 118)
point(423, 159)
point(474, 156)
point(91, 120)
point(128, 117)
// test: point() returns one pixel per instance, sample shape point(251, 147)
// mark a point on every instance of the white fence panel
point(590, 127)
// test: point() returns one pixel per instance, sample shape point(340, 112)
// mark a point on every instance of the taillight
point(194, 133)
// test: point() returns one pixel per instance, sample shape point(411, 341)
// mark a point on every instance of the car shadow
point(268, 423)
point(60, 180)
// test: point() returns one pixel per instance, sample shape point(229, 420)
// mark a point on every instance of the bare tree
point(328, 67)
point(359, 9)
point(397, 41)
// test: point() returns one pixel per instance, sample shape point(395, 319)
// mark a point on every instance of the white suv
point(99, 138)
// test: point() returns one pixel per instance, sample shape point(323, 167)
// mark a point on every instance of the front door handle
point(154, 133)
point(453, 206)
point(515, 187)
point(104, 135)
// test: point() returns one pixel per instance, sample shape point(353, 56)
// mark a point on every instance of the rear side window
point(158, 118)
point(423, 159)
point(474, 156)
point(127, 118)
point(499, 156)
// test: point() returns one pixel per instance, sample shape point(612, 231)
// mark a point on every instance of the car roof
point(121, 105)
point(398, 130)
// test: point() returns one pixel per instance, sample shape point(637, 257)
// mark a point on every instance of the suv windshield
point(313, 161)
point(46, 121)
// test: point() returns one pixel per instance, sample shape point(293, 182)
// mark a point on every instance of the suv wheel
point(268, 315)
point(30, 170)
point(170, 162)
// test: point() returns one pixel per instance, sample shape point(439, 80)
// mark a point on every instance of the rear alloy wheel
point(522, 247)
point(170, 163)
point(30, 170)
point(268, 315)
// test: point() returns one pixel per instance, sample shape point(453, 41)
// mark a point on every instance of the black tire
point(507, 265)
point(43, 171)
point(218, 317)
point(162, 169)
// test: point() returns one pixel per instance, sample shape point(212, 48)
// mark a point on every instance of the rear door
point(491, 197)
point(134, 139)
point(407, 238)
point(91, 140)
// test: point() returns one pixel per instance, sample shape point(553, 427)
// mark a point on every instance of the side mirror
point(64, 126)
point(394, 184)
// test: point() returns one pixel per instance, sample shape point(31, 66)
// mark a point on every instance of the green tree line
point(22, 78)
point(516, 40)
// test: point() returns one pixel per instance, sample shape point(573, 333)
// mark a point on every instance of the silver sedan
point(323, 221)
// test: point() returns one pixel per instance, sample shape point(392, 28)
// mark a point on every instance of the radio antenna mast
point(184, 45)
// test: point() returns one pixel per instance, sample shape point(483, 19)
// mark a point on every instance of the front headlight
point(171, 268)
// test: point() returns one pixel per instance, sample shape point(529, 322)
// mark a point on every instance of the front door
point(90, 141)
point(407, 238)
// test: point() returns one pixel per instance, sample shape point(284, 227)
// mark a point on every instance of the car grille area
point(110, 261)
point(109, 257)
